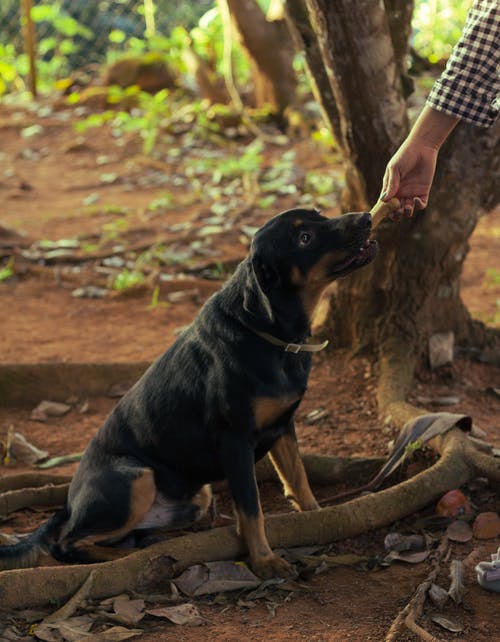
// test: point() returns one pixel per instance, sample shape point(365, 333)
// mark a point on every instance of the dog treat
point(382, 210)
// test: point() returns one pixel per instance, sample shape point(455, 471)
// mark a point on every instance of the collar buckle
point(295, 348)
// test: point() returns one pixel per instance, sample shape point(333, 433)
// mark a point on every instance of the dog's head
point(299, 253)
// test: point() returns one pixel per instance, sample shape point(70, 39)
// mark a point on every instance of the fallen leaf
point(459, 531)
point(399, 542)
point(131, 611)
point(486, 526)
point(447, 623)
point(49, 409)
point(21, 451)
point(90, 292)
point(316, 415)
point(182, 614)
point(70, 630)
point(214, 577)
point(408, 557)
point(438, 595)
point(114, 634)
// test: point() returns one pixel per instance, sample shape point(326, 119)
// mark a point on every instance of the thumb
point(391, 183)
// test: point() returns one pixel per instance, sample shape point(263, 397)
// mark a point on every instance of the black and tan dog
point(221, 397)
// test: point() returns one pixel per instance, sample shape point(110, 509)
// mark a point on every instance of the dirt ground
point(99, 188)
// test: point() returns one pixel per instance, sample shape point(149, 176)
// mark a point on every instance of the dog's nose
point(365, 220)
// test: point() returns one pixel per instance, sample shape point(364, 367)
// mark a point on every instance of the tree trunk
point(270, 49)
point(412, 289)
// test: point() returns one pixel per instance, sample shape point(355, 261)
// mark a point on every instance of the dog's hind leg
point(105, 508)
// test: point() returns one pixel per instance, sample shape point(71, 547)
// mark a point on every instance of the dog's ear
point(261, 278)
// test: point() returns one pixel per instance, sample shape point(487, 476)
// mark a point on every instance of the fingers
point(408, 207)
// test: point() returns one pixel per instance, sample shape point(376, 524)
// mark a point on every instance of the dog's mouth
point(364, 255)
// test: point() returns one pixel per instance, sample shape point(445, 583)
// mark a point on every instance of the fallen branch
point(408, 615)
point(459, 463)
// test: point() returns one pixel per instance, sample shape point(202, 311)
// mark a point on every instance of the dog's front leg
point(286, 459)
point(238, 461)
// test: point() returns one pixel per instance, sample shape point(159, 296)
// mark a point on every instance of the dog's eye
point(305, 238)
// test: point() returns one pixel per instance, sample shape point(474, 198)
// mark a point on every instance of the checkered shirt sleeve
point(469, 87)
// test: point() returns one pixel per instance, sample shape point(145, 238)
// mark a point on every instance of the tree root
point(29, 383)
point(408, 615)
point(28, 490)
point(31, 480)
point(51, 495)
point(459, 463)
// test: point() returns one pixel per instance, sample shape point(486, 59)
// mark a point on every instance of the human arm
point(468, 89)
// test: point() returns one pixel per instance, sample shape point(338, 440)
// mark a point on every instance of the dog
point(220, 398)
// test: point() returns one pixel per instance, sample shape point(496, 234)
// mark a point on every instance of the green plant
point(437, 27)
point(128, 279)
point(492, 277)
point(54, 51)
point(155, 300)
point(112, 230)
point(8, 270)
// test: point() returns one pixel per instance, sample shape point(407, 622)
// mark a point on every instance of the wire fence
point(84, 30)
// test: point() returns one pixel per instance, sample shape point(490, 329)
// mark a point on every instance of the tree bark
point(270, 49)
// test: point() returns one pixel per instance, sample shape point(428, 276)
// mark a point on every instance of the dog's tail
point(26, 552)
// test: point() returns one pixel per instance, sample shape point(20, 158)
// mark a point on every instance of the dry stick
point(458, 464)
point(383, 209)
point(407, 616)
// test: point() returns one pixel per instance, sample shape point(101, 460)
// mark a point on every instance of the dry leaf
point(399, 542)
point(114, 634)
point(71, 630)
point(21, 451)
point(447, 623)
point(486, 526)
point(47, 409)
point(459, 531)
point(407, 556)
point(438, 595)
point(214, 577)
point(131, 611)
point(183, 614)
point(47, 633)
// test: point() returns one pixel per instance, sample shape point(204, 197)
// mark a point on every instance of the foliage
point(71, 33)
point(7, 271)
point(127, 279)
point(437, 26)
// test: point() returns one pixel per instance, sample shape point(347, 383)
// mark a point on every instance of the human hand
point(409, 175)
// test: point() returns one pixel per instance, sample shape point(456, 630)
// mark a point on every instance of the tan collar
point(295, 348)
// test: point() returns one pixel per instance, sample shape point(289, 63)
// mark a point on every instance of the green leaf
point(117, 36)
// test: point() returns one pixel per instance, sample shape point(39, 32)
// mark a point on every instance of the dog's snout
point(365, 220)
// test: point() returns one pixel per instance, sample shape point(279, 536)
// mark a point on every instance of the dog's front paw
point(272, 566)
